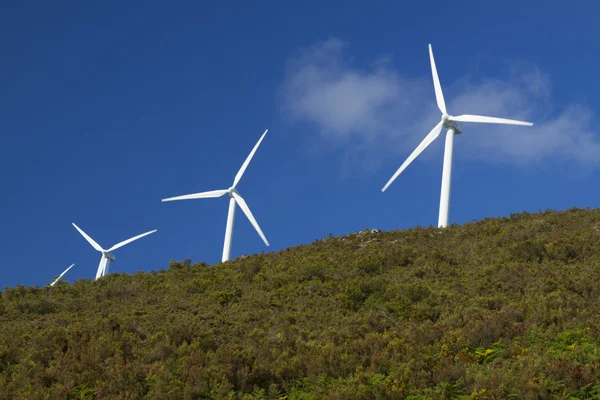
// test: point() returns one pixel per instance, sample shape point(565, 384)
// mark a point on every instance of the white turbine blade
point(101, 265)
point(104, 267)
point(240, 201)
point(488, 120)
point(439, 96)
point(203, 195)
point(61, 275)
point(431, 136)
point(123, 243)
point(89, 239)
point(245, 165)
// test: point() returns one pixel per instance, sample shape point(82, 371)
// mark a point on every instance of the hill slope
point(494, 309)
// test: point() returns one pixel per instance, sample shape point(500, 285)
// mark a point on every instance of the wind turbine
point(107, 256)
point(234, 198)
point(61, 275)
point(447, 122)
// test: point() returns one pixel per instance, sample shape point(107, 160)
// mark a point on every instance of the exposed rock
point(368, 231)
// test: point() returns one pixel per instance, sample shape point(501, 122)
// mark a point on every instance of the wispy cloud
point(323, 88)
point(378, 108)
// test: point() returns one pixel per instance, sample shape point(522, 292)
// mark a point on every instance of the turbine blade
point(123, 243)
point(439, 96)
point(431, 136)
point(66, 270)
point(61, 275)
point(488, 120)
point(240, 201)
point(89, 239)
point(203, 195)
point(104, 267)
point(101, 264)
point(238, 176)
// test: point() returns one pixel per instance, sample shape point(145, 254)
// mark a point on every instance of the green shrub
point(496, 309)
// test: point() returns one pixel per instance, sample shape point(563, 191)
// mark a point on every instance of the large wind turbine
point(447, 122)
point(61, 275)
point(107, 256)
point(234, 198)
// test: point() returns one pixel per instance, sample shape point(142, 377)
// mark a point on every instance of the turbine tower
point(61, 275)
point(234, 198)
point(107, 256)
point(447, 122)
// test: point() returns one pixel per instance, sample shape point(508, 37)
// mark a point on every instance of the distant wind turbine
point(234, 198)
point(107, 256)
point(447, 122)
point(61, 275)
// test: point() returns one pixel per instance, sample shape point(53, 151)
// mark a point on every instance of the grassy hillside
point(500, 308)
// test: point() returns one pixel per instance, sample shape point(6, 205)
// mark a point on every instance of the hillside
point(500, 308)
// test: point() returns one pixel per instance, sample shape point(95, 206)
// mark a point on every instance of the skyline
point(101, 121)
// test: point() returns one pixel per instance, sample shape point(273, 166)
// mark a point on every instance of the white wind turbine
point(234, 198)
point(447, 122)
point(61, 275)
point(107, 256)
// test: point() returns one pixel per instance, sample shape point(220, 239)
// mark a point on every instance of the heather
point(499, 308)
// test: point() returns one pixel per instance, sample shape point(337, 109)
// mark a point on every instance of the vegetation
point(500, 308)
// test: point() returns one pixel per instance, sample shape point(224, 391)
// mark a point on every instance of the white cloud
point(390, 113)
point(321, 87)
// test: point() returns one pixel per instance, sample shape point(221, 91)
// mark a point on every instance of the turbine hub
point(230, 191)
point(445, 117)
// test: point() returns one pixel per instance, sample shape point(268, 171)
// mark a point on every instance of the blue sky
point(106, 108)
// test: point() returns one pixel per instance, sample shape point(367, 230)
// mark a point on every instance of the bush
point(501, 308)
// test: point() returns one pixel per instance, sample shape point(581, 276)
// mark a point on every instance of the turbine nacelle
point(449, 124)
point(231, 191)
point(110, 256)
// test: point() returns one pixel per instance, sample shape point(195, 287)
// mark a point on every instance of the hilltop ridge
point(499, 308)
